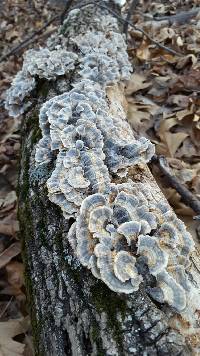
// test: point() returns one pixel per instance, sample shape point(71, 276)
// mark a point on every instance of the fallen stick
point(187, 197)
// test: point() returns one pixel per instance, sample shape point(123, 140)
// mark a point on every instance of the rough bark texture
point(72, 312)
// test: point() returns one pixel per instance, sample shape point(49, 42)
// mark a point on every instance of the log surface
point(72, 312)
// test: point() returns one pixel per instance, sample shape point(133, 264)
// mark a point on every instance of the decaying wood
point(72, 312)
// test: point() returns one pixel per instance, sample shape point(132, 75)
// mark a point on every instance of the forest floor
point(163, 97)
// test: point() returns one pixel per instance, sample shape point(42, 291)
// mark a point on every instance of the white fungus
point(118, 225)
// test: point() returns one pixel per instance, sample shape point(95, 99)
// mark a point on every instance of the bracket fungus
point(116, 223)
point(157, 258)
point(105, 58)
point(169, 291)
point(41, 63)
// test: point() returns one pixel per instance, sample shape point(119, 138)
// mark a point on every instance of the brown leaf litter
point(163, 104)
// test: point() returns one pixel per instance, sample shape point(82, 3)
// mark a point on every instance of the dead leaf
point(8, 202)
point(15, 276)
point(9, 225)
point(189, 59)
point(140, 110)
point(174, 140)
point(137, 82)
point(189, 82)
point(12, 251)
point(175, 201)
point(8, 330)
point(171, 140)
point(187, 149)
point(143, 52)
point(181, 101)
point(164, 34)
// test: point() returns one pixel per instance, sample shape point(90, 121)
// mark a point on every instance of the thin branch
point(131, 9)
point(67, 6)
point(6, 307)
point(28, 40)
point(180, 18)
point(187, 197)
point(165, 48)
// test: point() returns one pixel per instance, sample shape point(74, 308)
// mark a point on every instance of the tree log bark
point(72, 312)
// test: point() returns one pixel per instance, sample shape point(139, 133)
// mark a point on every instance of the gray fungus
point(117, 226)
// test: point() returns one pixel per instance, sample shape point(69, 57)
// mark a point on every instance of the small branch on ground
point(187, 197)
point(126, 23)
point(28, 40)
point(64, 13)
point(179, 18)
point(129, 23)
point(131, 9)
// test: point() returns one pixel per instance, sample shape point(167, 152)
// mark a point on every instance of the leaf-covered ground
point(18, 20)
point(164, 105)
point(164, 92)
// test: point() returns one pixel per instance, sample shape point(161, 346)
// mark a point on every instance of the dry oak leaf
point(8, 202)
point(9, 225)
point(140, 110)
point(171, 140)
point(12, 251)
point(143, 53)
point(137, 82)
point(186, 60)
point(182, 101)
point(186, 82)
point(15, 280)
point(15, 271)
point(8, 330)
point(164, 34)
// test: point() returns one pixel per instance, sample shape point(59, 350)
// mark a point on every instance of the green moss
point(59, 245)
point(97, 339)
point(25, 186)
point(26, 236)
point(31, 122)
point(44, 89)
point(26, 221)
point(64, 29)
point(35, 322)
point(110, 303)
point(36, 136)
point(43, 230)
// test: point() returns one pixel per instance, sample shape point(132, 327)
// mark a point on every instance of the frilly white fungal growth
point(107, 231)
point(119, 227)
point(20, 89)
point(169, 291)
point(75, 123)
point(105, 59)
point(157, 258)
point(37, 63)
point(48, 64)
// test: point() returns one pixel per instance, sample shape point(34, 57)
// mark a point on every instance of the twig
point(6, 307)
point(67, 6)
point(181, 17)
point(170, 50)
point(187, 197)
point(131, 9)
point(28, 40)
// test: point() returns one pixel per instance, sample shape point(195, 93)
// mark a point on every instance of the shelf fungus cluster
point(119, 225)
point(41, 63)
point(116, 233)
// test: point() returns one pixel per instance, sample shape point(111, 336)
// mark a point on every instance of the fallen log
point(110, 270)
